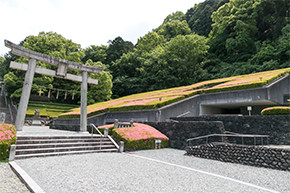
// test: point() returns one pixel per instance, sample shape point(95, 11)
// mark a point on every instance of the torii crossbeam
point(61, 72)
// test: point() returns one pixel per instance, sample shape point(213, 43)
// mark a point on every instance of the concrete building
point(228, 102)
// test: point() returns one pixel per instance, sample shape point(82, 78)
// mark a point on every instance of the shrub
point(7, 137)
point(140, 136)
point(276, 111)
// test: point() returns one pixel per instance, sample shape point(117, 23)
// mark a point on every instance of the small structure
point(36, 118)
point(118, 124)
point(2, 117)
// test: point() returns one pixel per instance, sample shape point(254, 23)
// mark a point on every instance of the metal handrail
point(102, 136)
point(231, 135)
point(94, 127)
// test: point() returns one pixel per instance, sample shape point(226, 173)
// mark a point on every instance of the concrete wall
point(247, 155)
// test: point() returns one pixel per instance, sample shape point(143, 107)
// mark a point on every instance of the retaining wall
point(248, 155)
point(276, 126)
point(178, 132)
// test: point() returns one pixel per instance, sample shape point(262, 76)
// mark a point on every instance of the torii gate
point(61, 72)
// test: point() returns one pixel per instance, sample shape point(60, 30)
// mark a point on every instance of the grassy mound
point(7, 137)
point(140, 136)
point(48, 109)
point(159, 98)
point(276, 111)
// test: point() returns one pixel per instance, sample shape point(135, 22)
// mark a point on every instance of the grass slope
point(48, 109)
point(159, 98)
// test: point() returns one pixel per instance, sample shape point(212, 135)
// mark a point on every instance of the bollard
point(12, 153)
point(106, 132)
point(121, 148)
point(131, 123)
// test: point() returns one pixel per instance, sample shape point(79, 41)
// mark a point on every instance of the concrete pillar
point(121, 147)
point(84, 91)
point(26, 89)
point(12, 153)
point(106, 132)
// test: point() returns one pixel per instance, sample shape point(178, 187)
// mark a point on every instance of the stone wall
point(276, 126)
point(248, 155)
point(178, 132)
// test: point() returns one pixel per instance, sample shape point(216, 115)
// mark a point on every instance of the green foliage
point(173, 28)
point(7, 137)
point(199, 16)
point(277, 110)
point(102, 91)
point(117, 48)
point(96, 54)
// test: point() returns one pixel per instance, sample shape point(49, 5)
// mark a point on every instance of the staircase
point(41, 146)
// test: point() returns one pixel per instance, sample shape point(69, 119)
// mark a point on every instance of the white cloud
point(87, 22)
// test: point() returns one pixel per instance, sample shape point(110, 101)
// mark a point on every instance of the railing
point(231, 134)
point(102, 136)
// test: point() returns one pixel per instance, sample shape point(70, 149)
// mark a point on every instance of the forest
point(213, 39)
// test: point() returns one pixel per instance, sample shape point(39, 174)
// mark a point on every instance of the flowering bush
point(140, 136)
point(7, 137)
point(276, 111)
point(160, 98)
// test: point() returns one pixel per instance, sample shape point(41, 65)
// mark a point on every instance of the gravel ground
point(137, 172)
point(9, 182)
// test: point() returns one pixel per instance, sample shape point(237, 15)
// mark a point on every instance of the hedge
point(139, 137)
point(278, 110)
point(7, 137)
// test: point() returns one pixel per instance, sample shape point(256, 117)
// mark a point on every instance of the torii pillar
point(61, 72)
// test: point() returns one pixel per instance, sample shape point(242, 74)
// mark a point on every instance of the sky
point(86, 22)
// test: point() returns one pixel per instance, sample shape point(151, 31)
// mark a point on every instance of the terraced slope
point(48, 109)
point(157, 99)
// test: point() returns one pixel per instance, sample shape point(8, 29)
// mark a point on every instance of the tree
point(199, 16)
point(102, 91)
point(234, 30)
point(117, 48)
point(173, 28)
point(176, 63)
point(3, 69)
point(96, 54)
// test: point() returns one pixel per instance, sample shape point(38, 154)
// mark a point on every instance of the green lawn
point(48, 109)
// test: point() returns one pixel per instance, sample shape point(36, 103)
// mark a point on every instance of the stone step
point(61, 149)
point(55, 145)
point(64, 153)
point(76, 140)
point(58, 137)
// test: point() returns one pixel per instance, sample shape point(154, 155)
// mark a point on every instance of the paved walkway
point(165, 170)
point(45, 131)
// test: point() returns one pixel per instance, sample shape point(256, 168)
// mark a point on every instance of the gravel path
point(9, 182)
point(165, 170)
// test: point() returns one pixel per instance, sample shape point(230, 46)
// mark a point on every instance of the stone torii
point(61, 72)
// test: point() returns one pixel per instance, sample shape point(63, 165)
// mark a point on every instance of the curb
point(25, 178)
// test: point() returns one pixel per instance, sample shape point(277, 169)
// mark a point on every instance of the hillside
point(159, 98)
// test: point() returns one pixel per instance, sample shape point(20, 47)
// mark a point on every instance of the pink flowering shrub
point(276, 111)
point(160, 98)
point(140, 136)
point(7, 137)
